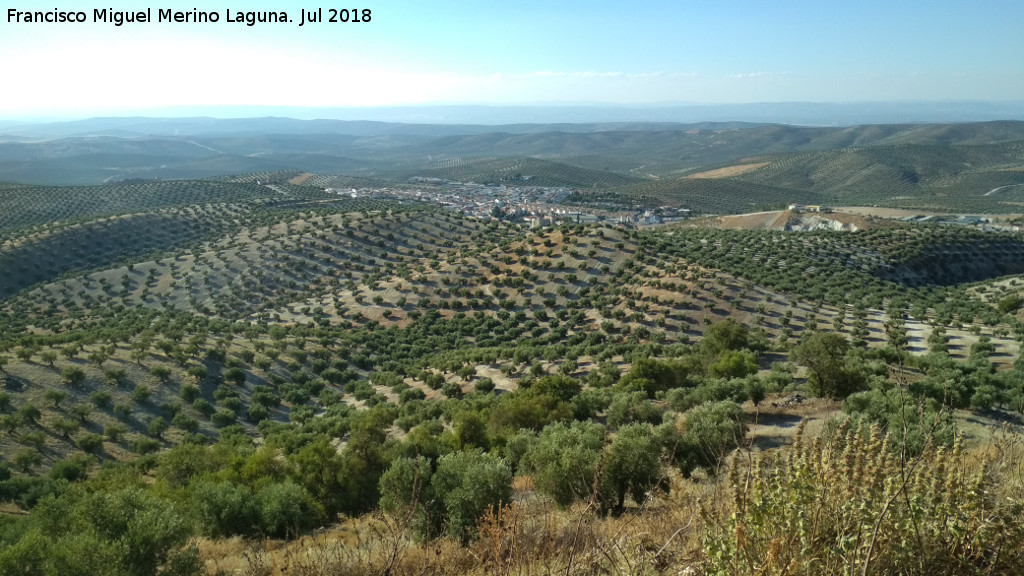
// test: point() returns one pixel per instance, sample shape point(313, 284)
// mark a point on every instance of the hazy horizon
point(494, 54)
point(788, 113)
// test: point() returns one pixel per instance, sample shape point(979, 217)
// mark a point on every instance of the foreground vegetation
point(828, 505)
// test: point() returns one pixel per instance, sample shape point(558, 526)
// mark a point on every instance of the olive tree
point(563, 460)
point(631, 466)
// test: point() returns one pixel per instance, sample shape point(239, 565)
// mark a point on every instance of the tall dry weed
point(850, 505)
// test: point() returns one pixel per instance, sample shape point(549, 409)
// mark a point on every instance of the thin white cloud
point(749, 75)
point(591, 74)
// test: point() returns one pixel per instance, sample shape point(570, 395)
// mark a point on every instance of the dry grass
point(755, 221)
point(856, 504)
point(522, 539)
point(843, 505)
point(729, 171)
point(902, 212)
point(773, 425)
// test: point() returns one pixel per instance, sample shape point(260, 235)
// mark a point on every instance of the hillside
point(355, 269)
point(24, 207)
point(970, 167)
point(956, 178)
point(525, 171)
point(705, 195)
point(275, 368)
point(790, 220)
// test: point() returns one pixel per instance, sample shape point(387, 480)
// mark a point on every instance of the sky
point(513, 52)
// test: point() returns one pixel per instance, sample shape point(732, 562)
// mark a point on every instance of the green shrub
point(650, 375)
point(451, 390)
point(631, 465)
point(141, 394)
point(124, 532)
point(189, 392)
point(556, 386)
point(162, 373)
point(257, 413)
point(72, 469)
point(451, 499)
point(235, 375)
point(224, 509)
point(733, 364)
point(563, 459)
point(185, 422)
point(910, 420)
point(122, 411)
point(101, 398)
point(203, 407)
point(470, 430)
point(25, 459)
point(91, 443)
point(145, 445)
point(711, 390)
point(484, 385)
point(73, 376)
point(157, 426)
point(708, 434)
point(523, 409)
point(405, 491)
point(590, 402)
point(1010, 304)
point(286, 509)
point(831, 374)
point(465, 485)
point(630, 407)
point(725, 335)
point(223, 417)
point(114, 431)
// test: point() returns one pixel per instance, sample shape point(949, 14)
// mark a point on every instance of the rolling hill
point(935, 166)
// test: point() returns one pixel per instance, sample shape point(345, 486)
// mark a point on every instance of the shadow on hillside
point(766, 359)
point(14, 384)
point(776, 432)
point(777, 420)
point(987, 417)
point(769, 442)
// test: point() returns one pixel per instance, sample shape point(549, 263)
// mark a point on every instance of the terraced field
point(27, 206)
point(927, 177)
point(524, 171)
point(705, 195)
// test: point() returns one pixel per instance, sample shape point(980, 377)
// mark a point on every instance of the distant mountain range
point(105, 149)
point(200, 119)
point(976, 166)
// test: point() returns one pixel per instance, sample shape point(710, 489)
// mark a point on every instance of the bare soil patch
point(780, 220)
point(729, 171)
point(903, 213)
point(775, 421)
point(755, 221)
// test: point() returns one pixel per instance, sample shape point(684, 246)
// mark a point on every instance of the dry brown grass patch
point(523, 539)
point(729, 171)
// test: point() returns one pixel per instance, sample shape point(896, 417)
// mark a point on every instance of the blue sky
point(441, 51)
